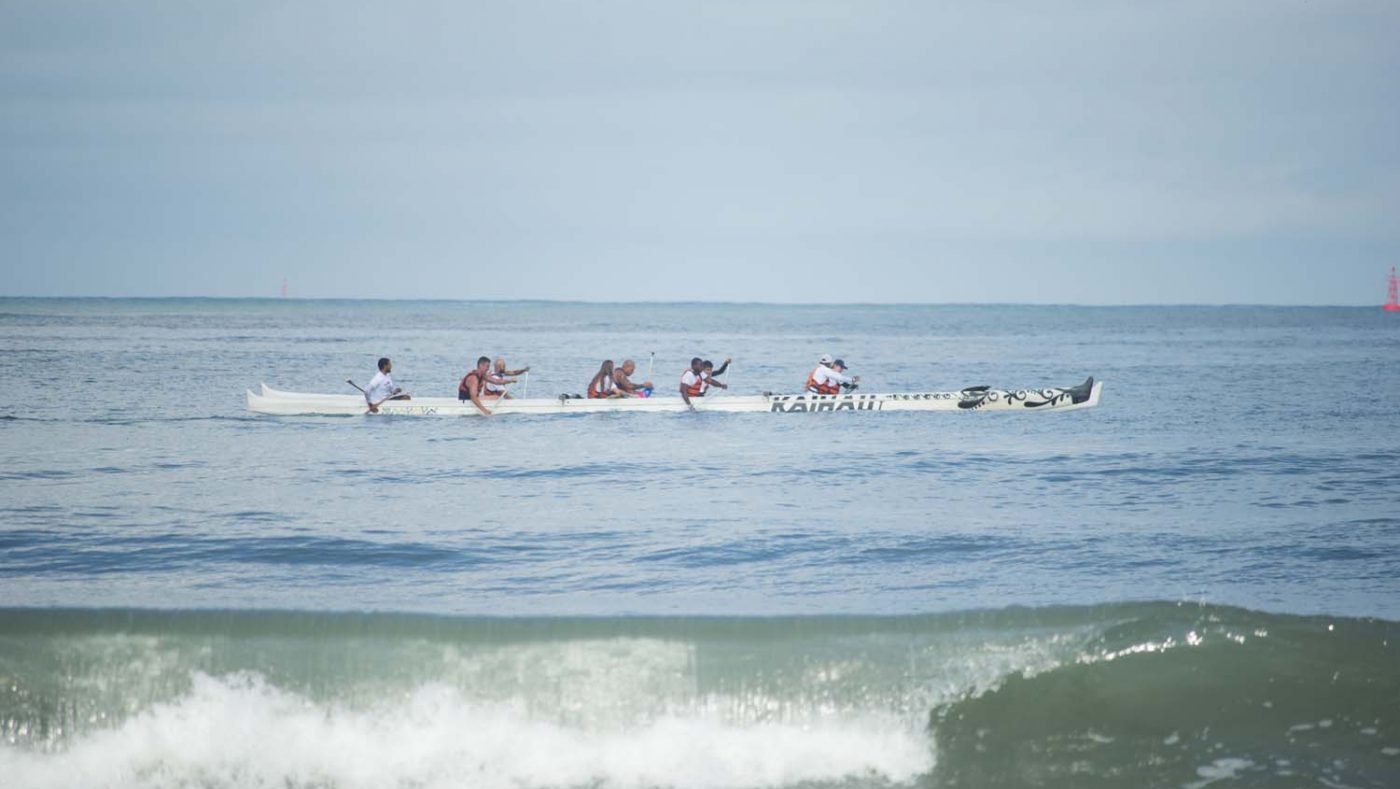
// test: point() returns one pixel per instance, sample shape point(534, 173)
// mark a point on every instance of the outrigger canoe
point(976, 398)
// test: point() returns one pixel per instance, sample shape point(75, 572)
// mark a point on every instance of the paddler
point(473, 384)
point(693, 381)
point(829, 377)
point(381, 387)
point(603, 386)
point(622, 379)
point(498, 377)
point(708, 372)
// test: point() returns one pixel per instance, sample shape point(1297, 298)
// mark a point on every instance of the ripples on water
point(1241, 455)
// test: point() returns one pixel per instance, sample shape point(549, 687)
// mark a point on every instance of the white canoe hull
point(1086, 395)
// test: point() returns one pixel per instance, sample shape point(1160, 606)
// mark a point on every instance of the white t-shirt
point(380, 387)
point(826, 375)
point(690, 379)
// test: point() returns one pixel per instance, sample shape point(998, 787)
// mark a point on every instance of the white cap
point(826, 358)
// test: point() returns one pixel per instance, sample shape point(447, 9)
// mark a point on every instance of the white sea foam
point(1226, 769)
point(243, 731)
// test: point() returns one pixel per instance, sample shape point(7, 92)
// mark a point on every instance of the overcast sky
point(1072, 152)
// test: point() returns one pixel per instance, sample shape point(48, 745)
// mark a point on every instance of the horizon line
point(640, 302)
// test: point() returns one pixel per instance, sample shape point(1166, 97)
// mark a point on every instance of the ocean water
point(1193, 584)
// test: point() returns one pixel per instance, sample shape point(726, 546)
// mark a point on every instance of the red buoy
point(1393, 303)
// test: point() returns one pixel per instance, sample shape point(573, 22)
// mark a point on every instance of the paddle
point(716, 391)
point(373, 409)
point(651, 362)
point(500, 397)
point(400, 394)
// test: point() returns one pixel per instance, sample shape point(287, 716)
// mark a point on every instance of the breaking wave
point(1153, 694)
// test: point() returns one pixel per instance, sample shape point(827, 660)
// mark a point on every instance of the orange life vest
point(596, 390)
point(826, 388)
point(696, 389)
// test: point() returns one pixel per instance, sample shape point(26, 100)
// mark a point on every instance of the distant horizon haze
point(1251, 286)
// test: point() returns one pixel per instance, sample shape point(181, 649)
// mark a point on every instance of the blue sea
point(1195, 584)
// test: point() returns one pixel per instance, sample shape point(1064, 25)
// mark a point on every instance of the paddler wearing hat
point(830, 376)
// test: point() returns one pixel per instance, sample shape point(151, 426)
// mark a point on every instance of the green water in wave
point(1120, 695)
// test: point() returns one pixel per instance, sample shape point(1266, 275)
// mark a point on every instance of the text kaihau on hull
point(978, 398)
